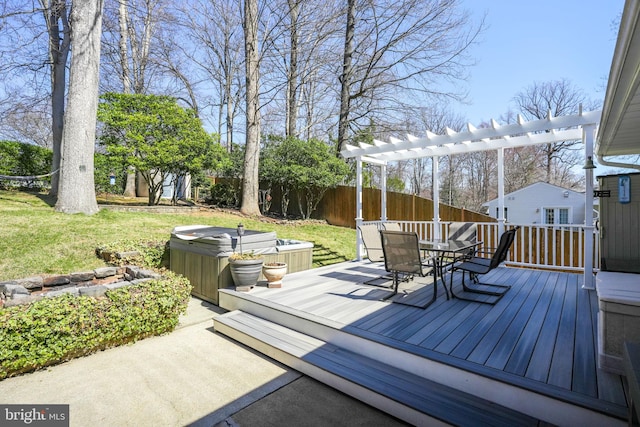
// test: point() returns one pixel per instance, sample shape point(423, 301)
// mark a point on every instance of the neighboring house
point(541, 203)
point(182, 189)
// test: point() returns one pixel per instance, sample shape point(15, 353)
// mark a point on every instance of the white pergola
point(581, 126)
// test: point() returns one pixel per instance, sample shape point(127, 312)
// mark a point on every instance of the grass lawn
point(34, 239)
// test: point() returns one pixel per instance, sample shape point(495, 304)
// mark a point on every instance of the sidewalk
point(192, 376)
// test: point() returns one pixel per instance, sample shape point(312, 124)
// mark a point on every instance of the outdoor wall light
point(589, 164)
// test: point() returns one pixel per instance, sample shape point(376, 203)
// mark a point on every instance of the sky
point(538, 41)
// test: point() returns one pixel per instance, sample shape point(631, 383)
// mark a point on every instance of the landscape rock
point(82, 276)
point(117, 285)
point(147, 274)
point(93, 291)
point(31, 283)
point(56, 280)
point(22, 299)
point(11, 290)
point(58, 292)
point(103, 272)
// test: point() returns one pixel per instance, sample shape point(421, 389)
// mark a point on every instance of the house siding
point(526, 206)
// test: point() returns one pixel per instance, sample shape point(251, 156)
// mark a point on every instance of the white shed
point(541, 203)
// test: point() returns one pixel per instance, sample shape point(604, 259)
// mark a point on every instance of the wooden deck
point(540, 337)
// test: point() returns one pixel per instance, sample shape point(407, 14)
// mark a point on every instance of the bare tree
point(557, 98)
point(76, 193)
point(250, 183)
point(404, 50)
point(298, 61)
point(292, 75)
point(215, 29)
point(346, 78)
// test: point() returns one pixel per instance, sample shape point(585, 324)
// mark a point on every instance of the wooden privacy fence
point(338, 207)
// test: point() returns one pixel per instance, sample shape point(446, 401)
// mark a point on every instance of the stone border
point(86, 283)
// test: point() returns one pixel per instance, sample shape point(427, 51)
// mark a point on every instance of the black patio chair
point(402, 257)
point(478, 265)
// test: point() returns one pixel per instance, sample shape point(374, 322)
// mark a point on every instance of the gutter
point(604, 162)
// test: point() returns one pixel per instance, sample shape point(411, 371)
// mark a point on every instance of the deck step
point(402, 394)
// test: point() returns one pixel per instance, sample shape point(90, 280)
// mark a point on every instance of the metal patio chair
point(402, 257)
point(478, 265)
point(373, 246)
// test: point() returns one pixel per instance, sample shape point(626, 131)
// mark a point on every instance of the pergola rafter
point(521, 133)
point(581, 126)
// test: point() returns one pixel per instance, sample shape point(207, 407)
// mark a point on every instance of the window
point(549, 216)
point(564, 216)
point(506, 217)
point(556, 216)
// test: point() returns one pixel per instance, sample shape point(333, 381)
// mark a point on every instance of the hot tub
point(201, 254)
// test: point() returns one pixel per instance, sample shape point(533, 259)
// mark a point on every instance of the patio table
point(441, 249)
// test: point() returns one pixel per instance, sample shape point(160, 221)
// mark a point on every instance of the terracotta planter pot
point(274, 272)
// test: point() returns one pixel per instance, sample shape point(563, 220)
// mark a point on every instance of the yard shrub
point(224, 194)
point(58, 329)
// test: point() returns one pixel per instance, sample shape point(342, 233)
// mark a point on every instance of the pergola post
point(358, 207)
point(436, 197)
point(383, 193)
point(501, 218)
point(588, 133)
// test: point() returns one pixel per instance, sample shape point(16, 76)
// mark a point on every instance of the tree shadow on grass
point(47, 198)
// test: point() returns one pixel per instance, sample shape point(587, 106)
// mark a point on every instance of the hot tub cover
point(221, 241)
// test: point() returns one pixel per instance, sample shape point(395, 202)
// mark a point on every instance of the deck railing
point(553, 247)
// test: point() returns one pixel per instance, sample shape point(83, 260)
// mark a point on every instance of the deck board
point(485, 347)
point(469, 343)
point(561, 370)
point(542, 353)
point(584, 357)
point(507, 343)
point(542, 331)
point(529, 336)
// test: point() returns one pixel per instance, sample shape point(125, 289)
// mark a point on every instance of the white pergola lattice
point(523, 133)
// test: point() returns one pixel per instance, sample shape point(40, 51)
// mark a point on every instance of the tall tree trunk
point(347, 72)
point(227, 90)
point(77, 191)
point(292, 77)
point(56, 13)
point(123, 44)
point(250, 183)
point(123, 20)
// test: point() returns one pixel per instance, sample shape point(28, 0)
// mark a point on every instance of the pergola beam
point(483, 145)
point(473, 135)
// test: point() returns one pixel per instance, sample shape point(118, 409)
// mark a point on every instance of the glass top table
point(446, 252)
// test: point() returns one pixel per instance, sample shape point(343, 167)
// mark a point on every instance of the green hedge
point(57, 329)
